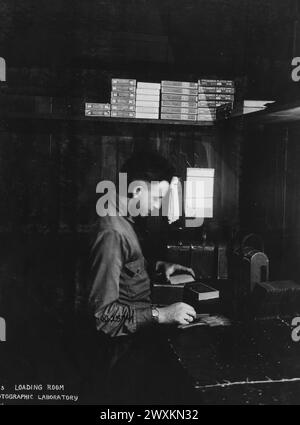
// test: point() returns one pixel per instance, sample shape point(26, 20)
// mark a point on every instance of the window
point(199, 192)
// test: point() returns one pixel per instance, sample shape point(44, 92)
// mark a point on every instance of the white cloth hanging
point(174, 206)
point(2, 69)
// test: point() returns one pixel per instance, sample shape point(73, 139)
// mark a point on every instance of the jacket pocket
point(135, 268)
point(136, 280)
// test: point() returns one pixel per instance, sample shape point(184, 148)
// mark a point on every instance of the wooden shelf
point(102, 120)
point(276, 114)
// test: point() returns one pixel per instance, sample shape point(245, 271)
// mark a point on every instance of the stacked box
point(97, 110)
point(179, 101)
point(213, 94)
point(147, 100)
point(123, 98)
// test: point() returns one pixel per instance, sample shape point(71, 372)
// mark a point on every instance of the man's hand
point(179, 313)
point(168, 269)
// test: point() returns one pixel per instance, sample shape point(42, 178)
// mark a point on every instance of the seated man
point(120, 295)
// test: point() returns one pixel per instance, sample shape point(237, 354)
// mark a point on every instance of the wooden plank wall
point(53, 176)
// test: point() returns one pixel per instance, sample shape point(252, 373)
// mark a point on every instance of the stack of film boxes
point(225, 98)
point(179, 101)
point(123, 96)
point(147, 100)
point(97, 110)
point(214, 94)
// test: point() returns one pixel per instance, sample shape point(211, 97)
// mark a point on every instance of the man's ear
point(137, 191)
point(136, 188)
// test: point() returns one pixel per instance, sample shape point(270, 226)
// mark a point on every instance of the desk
point(246, 363)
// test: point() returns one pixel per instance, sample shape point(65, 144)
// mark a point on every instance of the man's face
point(148, 197)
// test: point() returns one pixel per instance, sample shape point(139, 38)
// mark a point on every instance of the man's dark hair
point(148, 167)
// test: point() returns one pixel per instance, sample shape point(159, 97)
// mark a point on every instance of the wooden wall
point(53, 174)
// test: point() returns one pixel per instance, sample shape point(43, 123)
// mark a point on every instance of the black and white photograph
point(149, 205)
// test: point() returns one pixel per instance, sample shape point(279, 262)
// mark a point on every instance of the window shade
point(199, 192)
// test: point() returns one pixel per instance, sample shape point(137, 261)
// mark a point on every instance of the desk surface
point(248, 363)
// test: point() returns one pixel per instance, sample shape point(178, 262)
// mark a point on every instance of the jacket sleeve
point(112, 317)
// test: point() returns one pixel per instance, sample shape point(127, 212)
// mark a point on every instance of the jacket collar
point(122, 208)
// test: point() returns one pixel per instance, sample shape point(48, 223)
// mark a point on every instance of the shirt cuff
point(143, 317)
